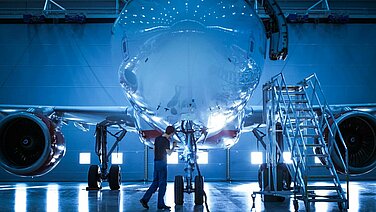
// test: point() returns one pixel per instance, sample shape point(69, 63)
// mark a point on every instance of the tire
point(114, 177)
point(199, 190)
point(179, 190)
point(283, 177)
point(94, 177)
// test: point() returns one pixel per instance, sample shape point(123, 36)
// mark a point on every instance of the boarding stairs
point(304, 115)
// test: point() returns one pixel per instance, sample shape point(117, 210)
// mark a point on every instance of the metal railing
point(284, 109)
point(312, 88)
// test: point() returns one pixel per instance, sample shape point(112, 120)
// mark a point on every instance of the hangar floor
point(222, 196)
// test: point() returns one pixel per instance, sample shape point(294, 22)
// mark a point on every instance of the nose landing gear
point(190, 158)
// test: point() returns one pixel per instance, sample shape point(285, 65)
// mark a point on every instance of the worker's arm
point(170, 151)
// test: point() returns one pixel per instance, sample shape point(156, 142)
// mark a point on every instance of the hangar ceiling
point(110, 8)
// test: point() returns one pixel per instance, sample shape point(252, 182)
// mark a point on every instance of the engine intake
point(30, 144)
point(359, 133)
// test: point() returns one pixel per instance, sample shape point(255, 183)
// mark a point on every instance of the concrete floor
point(222, 196)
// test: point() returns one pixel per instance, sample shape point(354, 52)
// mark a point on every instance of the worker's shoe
point(144, 204)
point(164, 207)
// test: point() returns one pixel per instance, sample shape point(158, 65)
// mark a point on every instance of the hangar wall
point(70, 65)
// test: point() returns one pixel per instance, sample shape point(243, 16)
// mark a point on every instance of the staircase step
point(305, 117)
point(311, 136)
point(293, 131)
point(320, 176)
point(319, 165)
point(295, 101)
point(308, 126)
point(292, 135)
point(323, 188)
point(316, 155)
point(313, 145)
point(293, 93)
point(289, 88)
point(302, 109)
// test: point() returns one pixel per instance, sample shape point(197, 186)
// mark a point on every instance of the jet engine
point(30, 144)
point(358, 130)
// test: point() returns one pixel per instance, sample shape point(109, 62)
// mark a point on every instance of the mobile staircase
point(301, 114)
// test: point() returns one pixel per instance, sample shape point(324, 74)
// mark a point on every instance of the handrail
point(279, 82)
point(325, 109)
point(314, 77)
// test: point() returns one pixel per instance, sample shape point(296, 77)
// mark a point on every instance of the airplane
point(193, 64)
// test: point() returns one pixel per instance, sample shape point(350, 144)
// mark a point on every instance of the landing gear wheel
point(199, 190)
point(179, 190)
point(114, 177)
point(94, 177)
point(296, 205)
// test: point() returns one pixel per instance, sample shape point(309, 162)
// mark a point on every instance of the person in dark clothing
point(161, 149)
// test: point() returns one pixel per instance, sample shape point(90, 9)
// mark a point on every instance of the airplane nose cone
point(190, 60)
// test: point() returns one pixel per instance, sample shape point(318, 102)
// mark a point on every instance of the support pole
point(146, 162)
point(104, 165)
point(228, 161)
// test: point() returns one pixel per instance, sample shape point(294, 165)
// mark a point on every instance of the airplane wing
point(92, 115)
point(254, 114)
point(31, 141)
point(79, 115)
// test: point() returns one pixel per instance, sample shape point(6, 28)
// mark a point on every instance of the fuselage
point(196, 60)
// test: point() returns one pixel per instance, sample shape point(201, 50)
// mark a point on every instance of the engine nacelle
point(359, 133)
point(30, 144)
